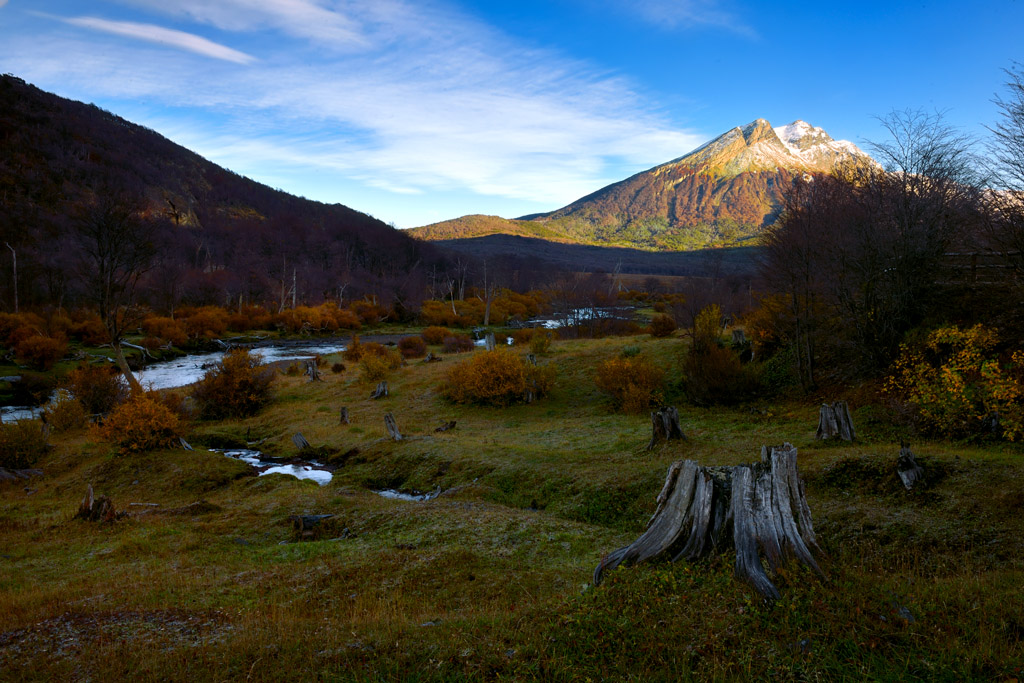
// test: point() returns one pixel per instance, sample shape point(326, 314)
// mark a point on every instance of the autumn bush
point(713, 375)
point(167, 329)
point(207, 322)
point(960, 386)
point(412, 347)
point(22, 444)
point(435, 335)
point(65, 413)
point(238, 386)
point(90, 331)
point(540, 342)
point(354, 351)
point(521, 336)
point(497, 378)
point(40, 352)
point(662, 326)
point(98, 389)
point(141, 424)
point(338, 368)
point(376, 365)
point(633, 383)
point(457, 343)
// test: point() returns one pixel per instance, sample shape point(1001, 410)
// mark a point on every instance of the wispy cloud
point(417, 98)
point(687, 14)
point(163, 36)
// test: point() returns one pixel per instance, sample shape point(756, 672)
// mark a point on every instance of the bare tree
point(117, 247)
point(1006, 226)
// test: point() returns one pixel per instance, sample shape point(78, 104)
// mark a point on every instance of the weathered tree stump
point(446, 426)
point(765, 503)
point(300, 441)
point(343, 416)
point(313, 371)
point(392, 427)
point(381, 391)
point(531, 359)
point(93, 509)
point(489, 341)
point(834, 421)
point(431, 358)
point(739, 339)
point(907, 468)
point(665, 426)
point(306, 525)
point(185, 444)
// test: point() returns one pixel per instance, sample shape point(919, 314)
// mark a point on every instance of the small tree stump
point(665, 426)
point(343, 416)
point(531, 359)
point(392, 427)
point(834, 421)
point(313, 371)
point(431, 358)
point(185, 444)
point(739, 339)
point(300, 441)
point(765, 502)
point(93, 509)
point(489, 341)
point(907, 468)
point(381, 391)
point(446, 426)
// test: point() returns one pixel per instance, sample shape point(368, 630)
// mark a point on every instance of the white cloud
point(417, 99)
point(687, 14)
point(163, 36)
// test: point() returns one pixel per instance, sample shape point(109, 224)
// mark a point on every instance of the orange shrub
point(541, 341)
point(238, 386)
point(98, 389)
point(208, 322)
point(368, 312)
point(90, 331)
point(435, 335)
point(22, 444)
point(497, 378)
point(662, 326)
point(354, 351)
point(412, 347)
point(522, 336)
point(250, 318)
point(634, 384)
point(376, 367)
point(141, 424)
point(168, 329)
point(65, 413)
point(20, 334)
point(40, 352)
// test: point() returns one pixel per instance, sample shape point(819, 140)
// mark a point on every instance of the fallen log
point(765, 503)
point(381, 391)
point(392, 427)
point(665, 426)
point(834, 421)
point(907, 468)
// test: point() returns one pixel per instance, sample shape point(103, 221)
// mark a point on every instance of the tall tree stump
point(381, 391)
point(343, 416)
point(665, 426)
point(93, 509)
point(761, 508)
point(313, 371)
point(834, 421)
point(907, 468)
point(489, 341)
point(392, 427)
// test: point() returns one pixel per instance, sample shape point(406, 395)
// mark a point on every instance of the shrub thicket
point(662, 326)
point(458, 343)
point(634, 383)
point(238, 386)
point(65, 413)
point(22, 444)
point(436, 335)
point(412, 347)
point(541, 341)
point(959, 386)
point(498, 378)
point(141, 424)
point(40, 352)
point(98, 389)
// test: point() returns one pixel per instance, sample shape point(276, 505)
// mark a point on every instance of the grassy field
point(491, 580)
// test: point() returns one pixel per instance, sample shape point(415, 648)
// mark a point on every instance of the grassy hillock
point(491, 580)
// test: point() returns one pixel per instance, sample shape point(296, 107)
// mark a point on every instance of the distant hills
point(224, 237)
point(721, 194)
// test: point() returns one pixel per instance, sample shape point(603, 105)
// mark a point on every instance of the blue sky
point(418, 111)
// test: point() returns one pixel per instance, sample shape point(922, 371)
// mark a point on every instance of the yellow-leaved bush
point(238, 386)
point(959, 385)
point(497, 378)
point(141, 424)
point(633, 383)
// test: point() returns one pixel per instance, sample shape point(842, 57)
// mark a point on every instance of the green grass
point(491, 580)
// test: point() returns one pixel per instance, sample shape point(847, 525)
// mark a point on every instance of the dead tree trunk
point(343, 416)
point(764, 502)
point(489, 341)
point(665, 426)
point(312, 371)
point(381, 391)
point(907, 468)
point(93, 509)
point(835, 421)
point(392, 427)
